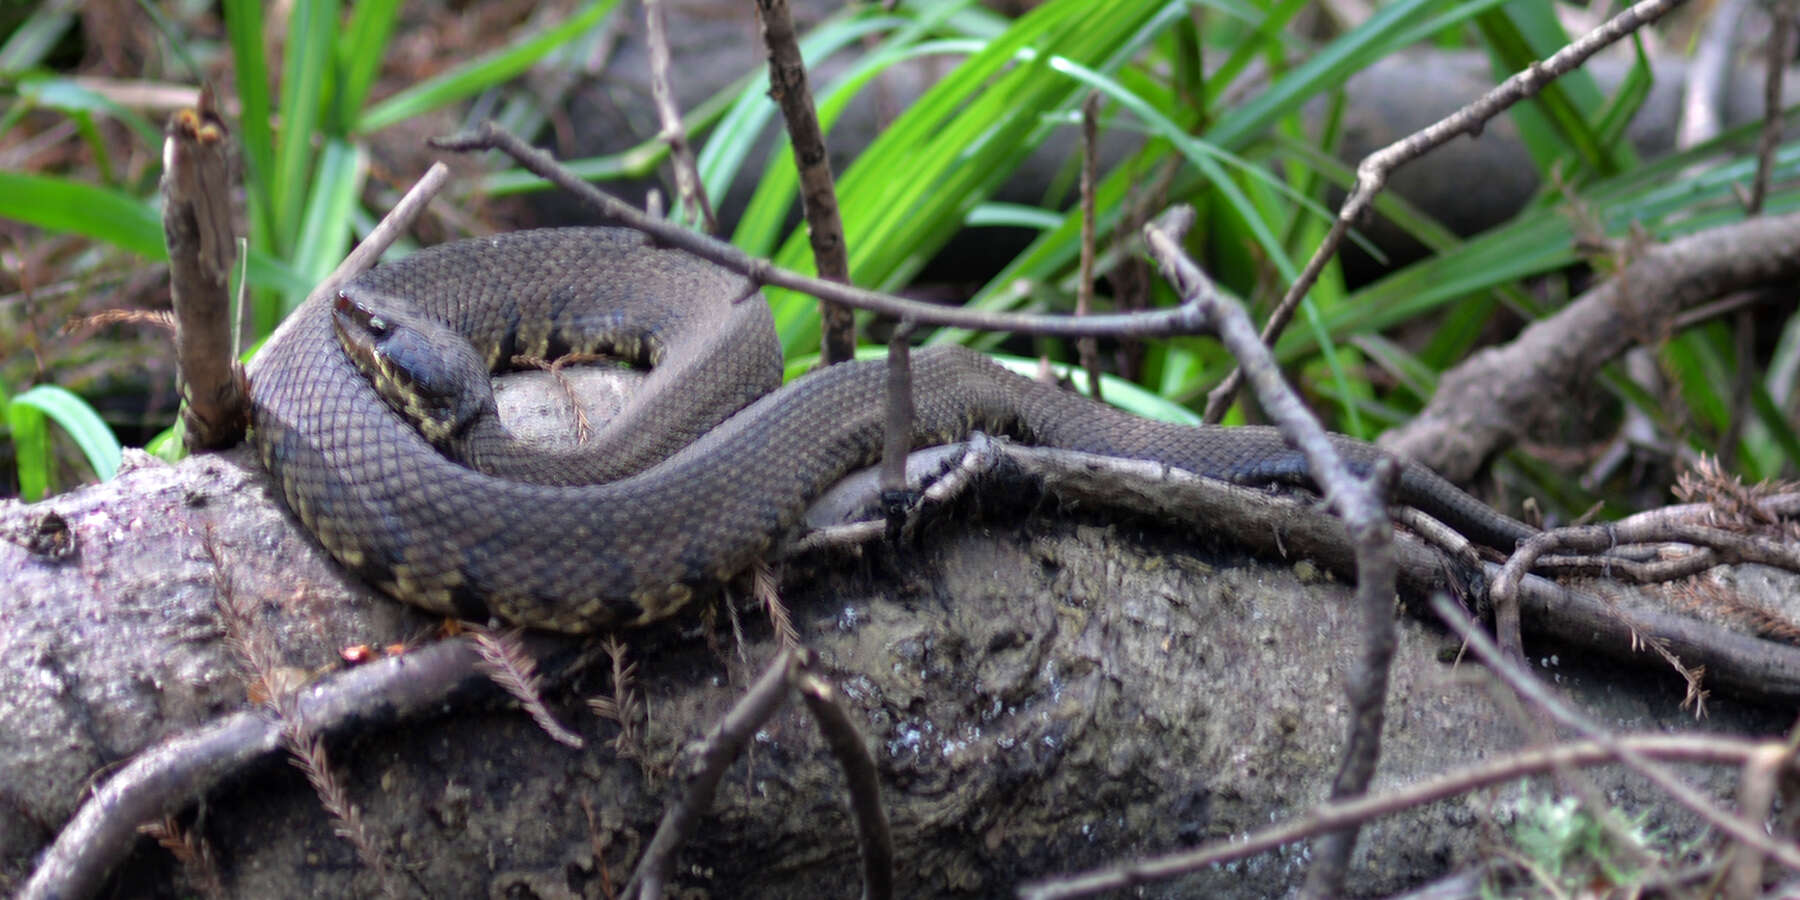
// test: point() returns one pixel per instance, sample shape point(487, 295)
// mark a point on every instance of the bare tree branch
point(840, 734)
point(705, 765)
point(1486, 402)
point(1354, 500)
point(818, 196)
point(202, 242)
point(1534, 692)
point(1328, 817)
point(687, 175)
point(1372, 173)
point(1180, 320)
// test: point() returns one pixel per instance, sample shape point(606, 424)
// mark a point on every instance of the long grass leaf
point(31, 450)
point(359, 56)
point(1623, 107)
point(111, 216)
point(69, 95)
point(1117, 391)
point(58, 204)
point(916, 183)
point(306, 69)
point(749, 115)
point(325, 232)
point(250, 65)
point(1233, 130)
point(1559, 122)
point(1774, 442)
point(481, 73)
point(760, 228)
point(33, 39)
point(96, 441)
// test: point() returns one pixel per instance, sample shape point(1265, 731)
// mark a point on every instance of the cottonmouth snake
point(535, 546)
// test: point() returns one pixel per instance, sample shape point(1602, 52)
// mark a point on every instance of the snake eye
point(364, 317)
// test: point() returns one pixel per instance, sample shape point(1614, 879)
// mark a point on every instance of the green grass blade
point(359, 56)
point(57, 204)
point(173, 39)
point(1327, 68)
point(69, 96)
point(743, 123)
point(1391, 27)
point(115, 217)
point(1206, 157)
point(1014, 215)
point(1557, 124)
point(96, 441)
point(33, 40)
point(244, 28)
point(479, 74)
point(916, 183)
point(1265, 28)
point(1777, 437)
point(1117, 391)
point(31, 450)
point(305, 75)
point(1616, 118)
point(761, 226)
point(325, 233)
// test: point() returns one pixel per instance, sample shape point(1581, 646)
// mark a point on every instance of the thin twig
point(1780, 50)
point(1372, 173)
point(1534, 691)
point(1710, 750)
point(818, 196)
point(625, 706)
point(1355, 500)
point(198, 862)
point(767, 589)
point(700, 772)
point(583, 428)
point(166, 778)
point(898, 435)
point(1157, 323)
point(1715, 546)
point(1484, 403)
point(1718, 545)
point(306, 750)
point(1087, 348)
point(1542, 732)
point(369, 250)
point(872, 834)
point(505, 660)
point(198, 228)
point(687, 175)
point(1756, 796)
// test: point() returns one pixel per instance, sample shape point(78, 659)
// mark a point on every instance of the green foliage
point(1571, 847)
point(303, 180)
point(27, 418)
point(1250, 145)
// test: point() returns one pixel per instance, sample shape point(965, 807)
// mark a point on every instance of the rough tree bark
point(1045, 686)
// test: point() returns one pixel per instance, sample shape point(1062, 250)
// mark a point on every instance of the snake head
point(427, 373)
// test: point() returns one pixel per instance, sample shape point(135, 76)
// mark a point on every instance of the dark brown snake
point(535, 545)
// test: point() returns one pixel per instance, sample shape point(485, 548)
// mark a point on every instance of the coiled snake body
point(699, 487)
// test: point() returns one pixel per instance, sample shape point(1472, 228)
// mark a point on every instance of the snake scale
point(686, 488)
